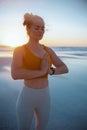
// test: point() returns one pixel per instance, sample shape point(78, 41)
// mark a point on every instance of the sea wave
point(6, 53)
point(81, 55)
point(65, 52)
point(71, 52)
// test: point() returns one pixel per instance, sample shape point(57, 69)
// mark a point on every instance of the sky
point(65, 21)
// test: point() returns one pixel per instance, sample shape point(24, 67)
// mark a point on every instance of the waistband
point(33, 89)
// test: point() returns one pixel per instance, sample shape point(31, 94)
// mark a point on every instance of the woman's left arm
point(60, 67)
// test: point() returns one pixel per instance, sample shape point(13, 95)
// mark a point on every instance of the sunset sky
point(66, 21)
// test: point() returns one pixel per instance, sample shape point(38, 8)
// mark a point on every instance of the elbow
point(14, 76)
point(66, 70)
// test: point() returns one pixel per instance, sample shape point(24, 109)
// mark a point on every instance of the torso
point(40, 82)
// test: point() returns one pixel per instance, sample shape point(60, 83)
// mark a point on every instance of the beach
point(68, 94)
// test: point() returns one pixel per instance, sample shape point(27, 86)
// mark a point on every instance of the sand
point(68, 97)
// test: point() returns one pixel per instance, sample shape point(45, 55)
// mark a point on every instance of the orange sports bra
point(33, 62)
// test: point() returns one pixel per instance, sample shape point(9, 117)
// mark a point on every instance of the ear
point(28, 30)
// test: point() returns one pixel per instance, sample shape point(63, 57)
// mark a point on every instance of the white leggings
point(28, 100)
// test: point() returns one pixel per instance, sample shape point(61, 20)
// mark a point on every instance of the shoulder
point(19, 49)
point(50, 50)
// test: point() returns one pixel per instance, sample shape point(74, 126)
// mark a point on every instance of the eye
point(37, 28)
point(42, 29)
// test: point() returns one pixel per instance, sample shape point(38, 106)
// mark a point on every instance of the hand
point(50, 71)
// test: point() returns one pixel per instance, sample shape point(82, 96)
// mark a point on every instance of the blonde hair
point(29, 18)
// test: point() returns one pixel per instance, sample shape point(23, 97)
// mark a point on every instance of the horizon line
point(5, 45)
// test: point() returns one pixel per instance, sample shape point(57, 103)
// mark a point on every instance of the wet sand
point(68, 97)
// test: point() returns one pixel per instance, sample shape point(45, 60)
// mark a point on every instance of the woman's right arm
point(18, 72)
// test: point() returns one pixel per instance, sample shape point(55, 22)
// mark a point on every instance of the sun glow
point(13, 36)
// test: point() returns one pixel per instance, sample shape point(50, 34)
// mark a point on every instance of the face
point(36, 30)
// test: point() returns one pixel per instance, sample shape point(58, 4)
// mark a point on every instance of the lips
point(40, 35)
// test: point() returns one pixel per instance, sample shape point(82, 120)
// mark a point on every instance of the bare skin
point(37, 118)
point(35, 81)
point(19, 73)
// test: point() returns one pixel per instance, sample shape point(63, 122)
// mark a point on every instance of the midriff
point(37, 83)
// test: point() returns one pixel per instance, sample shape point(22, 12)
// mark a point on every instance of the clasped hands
point(45, 65)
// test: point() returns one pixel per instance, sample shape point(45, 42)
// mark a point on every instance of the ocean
point(73, 52)
point(60, 51)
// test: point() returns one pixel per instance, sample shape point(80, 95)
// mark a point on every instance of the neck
point(33, 42)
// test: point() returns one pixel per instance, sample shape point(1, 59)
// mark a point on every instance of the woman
point(33, 62)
